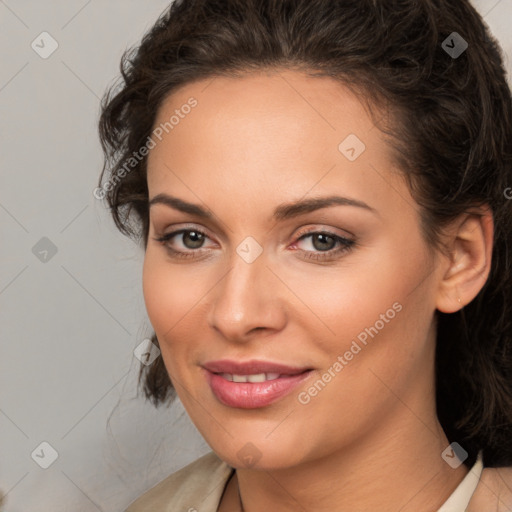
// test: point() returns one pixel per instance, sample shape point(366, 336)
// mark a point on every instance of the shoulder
point(198, 486)
point(493, 492)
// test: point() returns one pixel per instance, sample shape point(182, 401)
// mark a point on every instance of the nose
point(247, 300)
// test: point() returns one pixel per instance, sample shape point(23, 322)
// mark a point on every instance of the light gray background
point(69, 325)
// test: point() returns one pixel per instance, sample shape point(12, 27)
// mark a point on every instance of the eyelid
point(319, 228)
point(164, 219)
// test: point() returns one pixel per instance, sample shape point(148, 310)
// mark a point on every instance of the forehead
point(261, 102)
point(266, 133)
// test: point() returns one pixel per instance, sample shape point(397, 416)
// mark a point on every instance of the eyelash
point(346, 245)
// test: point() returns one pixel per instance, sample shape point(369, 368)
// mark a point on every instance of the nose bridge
point(246, 299)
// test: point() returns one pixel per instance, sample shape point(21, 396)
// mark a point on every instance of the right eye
point(192, 241)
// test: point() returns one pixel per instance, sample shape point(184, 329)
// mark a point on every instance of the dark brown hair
point(450, 126)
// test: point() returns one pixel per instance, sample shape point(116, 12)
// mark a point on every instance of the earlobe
point(468, 268)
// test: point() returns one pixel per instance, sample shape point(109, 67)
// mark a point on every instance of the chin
point(264, 455)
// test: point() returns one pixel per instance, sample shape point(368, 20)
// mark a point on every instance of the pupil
point(324, 239)
point(196, 239)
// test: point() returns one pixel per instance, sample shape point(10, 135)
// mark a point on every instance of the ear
point(470, 242)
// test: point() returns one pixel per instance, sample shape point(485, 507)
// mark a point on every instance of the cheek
point(174, 296)
point(374, 309)
point(168, 294)
point(170, 291)
point(162, 292)
point(159, 294)
point(340, 302)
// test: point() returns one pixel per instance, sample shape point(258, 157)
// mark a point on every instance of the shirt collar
point(459, 499)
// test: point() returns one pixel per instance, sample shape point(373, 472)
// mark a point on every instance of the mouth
point(252, 384)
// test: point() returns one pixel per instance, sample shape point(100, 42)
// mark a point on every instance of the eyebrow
point(290, 210)
point(282, 212)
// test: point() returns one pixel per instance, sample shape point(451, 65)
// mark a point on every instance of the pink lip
point(252, 395)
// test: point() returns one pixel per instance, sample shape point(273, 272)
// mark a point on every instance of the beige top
point(198, 487)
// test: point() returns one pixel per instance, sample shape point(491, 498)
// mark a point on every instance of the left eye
point(323, 244)
point(321, 241)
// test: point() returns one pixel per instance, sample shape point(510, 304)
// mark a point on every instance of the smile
point(253, 384)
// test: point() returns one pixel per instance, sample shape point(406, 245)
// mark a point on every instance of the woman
point(320, 189)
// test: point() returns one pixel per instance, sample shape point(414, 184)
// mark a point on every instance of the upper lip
point(252, 367)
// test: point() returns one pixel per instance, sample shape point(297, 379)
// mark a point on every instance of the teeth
point(258, 377)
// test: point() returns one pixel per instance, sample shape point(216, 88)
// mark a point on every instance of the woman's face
point(343, 294)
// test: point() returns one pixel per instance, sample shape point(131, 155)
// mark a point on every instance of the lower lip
point(252, 395)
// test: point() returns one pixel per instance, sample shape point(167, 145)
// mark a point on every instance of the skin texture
point(370, 439)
